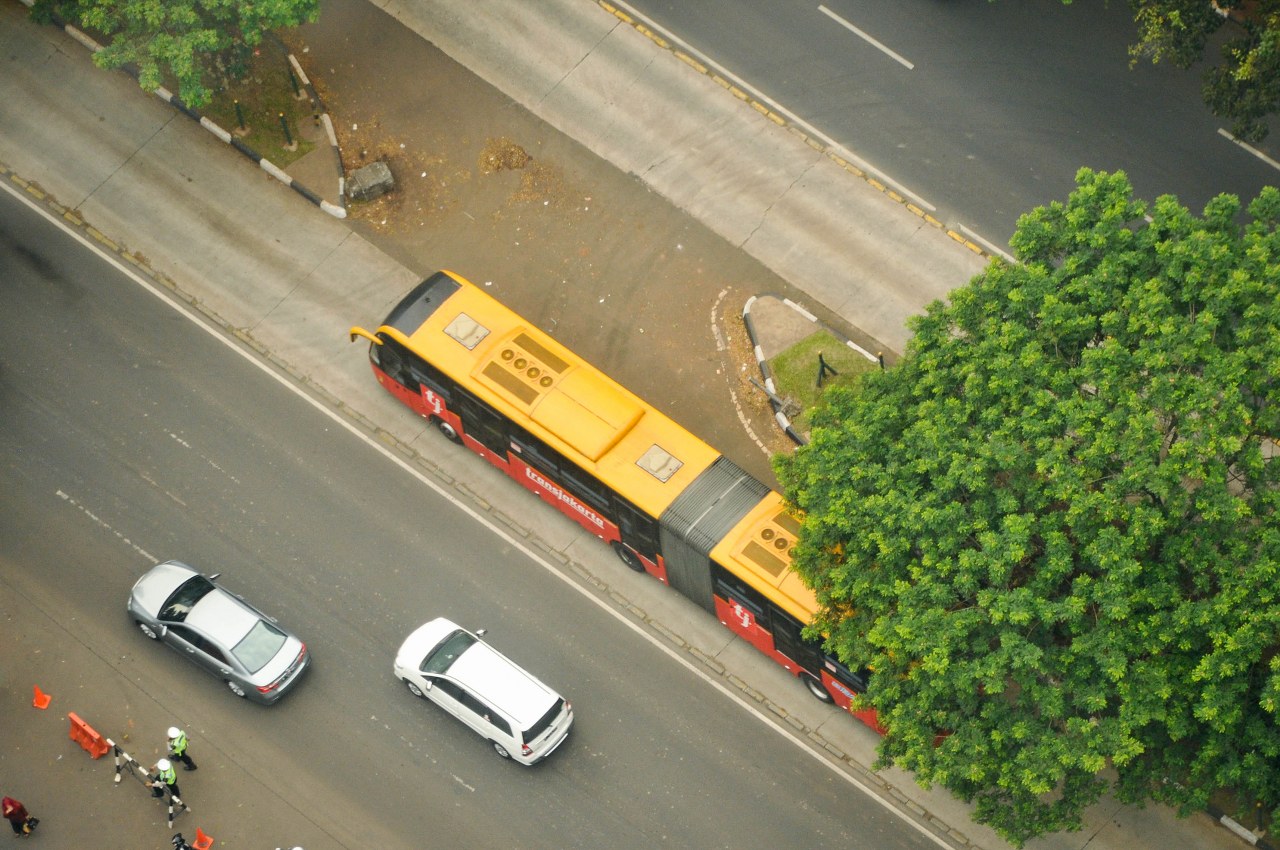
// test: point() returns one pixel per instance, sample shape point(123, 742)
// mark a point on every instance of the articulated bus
point(668, 503)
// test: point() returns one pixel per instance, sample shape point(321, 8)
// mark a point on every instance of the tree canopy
point(190, 42)
point(1245, 86)
point(1051, 530)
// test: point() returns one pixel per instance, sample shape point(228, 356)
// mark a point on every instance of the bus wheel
point(631, 559)
point(450, 433)
point(815, 688)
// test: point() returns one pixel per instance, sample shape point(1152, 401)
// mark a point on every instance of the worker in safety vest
point(178, 747)
point(164, 777)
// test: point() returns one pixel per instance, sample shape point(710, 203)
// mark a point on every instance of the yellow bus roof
point(553, 393)
point(758, 548)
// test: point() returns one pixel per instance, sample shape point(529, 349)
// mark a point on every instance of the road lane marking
point(102, 523)
point(1250, 148)
point(868, 39)
point(642, 629)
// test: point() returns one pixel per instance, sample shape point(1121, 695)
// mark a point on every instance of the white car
point(521, 717)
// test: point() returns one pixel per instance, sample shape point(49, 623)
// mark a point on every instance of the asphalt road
point(129, 434)
point(982, 109)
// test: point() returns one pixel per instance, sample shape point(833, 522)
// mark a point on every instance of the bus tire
point(450, 433)
point(815, 687)
point(631, 559)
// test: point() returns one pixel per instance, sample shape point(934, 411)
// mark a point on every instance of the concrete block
point(370, 182)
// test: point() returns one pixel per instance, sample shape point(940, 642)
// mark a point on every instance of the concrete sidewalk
point(153, 187)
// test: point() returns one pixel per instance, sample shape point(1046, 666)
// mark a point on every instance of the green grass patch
point(795, 373)
point(264, 93)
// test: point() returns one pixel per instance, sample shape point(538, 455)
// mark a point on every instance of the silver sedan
point(253, 655)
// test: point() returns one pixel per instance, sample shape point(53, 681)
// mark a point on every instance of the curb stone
point(754, 333)
point(336, 210)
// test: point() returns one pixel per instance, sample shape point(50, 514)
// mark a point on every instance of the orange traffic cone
point(41, 698)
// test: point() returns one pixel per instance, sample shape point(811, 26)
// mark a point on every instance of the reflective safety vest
point(168, 777)
point(178, 745)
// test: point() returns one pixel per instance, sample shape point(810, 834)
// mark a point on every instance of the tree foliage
point(190, 42)
point(1052, 529)
point(1245, 86)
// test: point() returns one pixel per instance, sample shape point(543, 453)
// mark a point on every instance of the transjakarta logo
point(572, 503)
point(850, 695)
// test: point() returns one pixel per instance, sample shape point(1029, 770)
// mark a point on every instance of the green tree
point(192, 42)
point(1052, 529)
point(1245, 87)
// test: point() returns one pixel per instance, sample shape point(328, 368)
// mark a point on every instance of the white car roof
point(482, 669)
point(502, 682)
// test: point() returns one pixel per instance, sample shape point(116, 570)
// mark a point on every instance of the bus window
point(394, 360)
point(551, 462)
point(789, 641)
point(430, 377)
point(484, 425)
point(535, 452)
point(639, 531)
point(586, 487)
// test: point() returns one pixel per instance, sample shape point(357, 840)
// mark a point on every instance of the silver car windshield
point(447, 652)
point(259, 646)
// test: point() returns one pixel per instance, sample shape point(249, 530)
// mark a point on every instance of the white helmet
point(174, 731)
point(163, 764)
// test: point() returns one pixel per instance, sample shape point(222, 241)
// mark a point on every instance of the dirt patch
point(503, 155)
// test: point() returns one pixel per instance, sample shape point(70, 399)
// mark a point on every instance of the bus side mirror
point(358, 332)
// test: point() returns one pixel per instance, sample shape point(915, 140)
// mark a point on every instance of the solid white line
point(868, 39)
point(1250, 148)
point(218, 334)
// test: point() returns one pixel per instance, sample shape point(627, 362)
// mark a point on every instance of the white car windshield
point(447, 652)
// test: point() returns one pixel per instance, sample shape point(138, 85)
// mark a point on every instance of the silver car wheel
point(148, 631)
point(414, 689)
point(500, 750)
point(235, 688)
